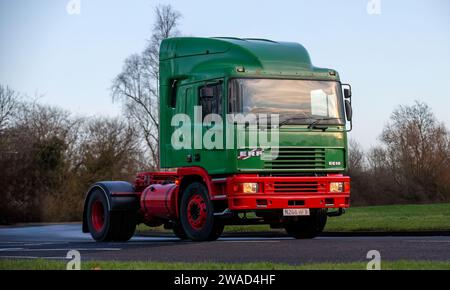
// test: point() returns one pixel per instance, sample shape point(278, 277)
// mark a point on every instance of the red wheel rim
point(196, 212)
point(97, 215)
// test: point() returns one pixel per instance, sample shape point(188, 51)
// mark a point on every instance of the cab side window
point(210, 98)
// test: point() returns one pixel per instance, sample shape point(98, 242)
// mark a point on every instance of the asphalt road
point(54, 241)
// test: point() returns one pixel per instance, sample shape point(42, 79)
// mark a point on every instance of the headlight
point(336, 186)
point(250, 187)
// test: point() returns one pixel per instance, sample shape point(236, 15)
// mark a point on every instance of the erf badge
point(243, 155)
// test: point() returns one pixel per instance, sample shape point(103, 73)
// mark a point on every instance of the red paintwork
point(186, 172)
point(159, 192)
point(98, 215)
point(144, 179)
point(195, 171)
point(276, 192)
point(161, 203)
point(158, 202)
point(196, 212)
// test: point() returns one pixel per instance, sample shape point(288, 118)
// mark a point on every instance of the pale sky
point(392, 58)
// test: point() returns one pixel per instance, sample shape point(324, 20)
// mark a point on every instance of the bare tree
point(377, 160)
point(109, 150)
point(8, 103)
point(418, 151)
point(356, 158)
point(53, 157)
point(35, 165)
point(165, 26)
point(411, 166)
point(378, 181)
point(137, 85)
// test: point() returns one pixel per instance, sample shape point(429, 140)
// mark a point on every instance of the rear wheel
point(197, 214)
point(105, 225)
point(307, 227)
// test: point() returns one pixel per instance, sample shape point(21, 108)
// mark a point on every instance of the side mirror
point(348, 104)
point(347, 91)
point(348, 110)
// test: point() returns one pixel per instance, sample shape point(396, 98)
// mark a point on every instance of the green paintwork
point(195, 62)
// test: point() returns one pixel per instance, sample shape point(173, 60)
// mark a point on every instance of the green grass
point(41, 264)
point(402, 218)
point(431, 217)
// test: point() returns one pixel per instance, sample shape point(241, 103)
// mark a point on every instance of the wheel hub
point(97, 215)
point(196, 212)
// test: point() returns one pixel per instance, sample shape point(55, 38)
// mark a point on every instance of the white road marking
point(41, 244)
point(250, 241)
point(55, 250)
point(149, 242)
point(427, 241)
point(32, 257)
point(9, 243)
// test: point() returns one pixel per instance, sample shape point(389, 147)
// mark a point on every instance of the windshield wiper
point(317, 121)
point(292, 119)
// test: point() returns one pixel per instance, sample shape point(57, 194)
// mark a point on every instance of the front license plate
point(296, 212)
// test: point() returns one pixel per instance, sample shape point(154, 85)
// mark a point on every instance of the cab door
point(180, 156)
point(210, 100)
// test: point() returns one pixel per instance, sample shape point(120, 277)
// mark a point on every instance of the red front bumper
point(287, 192)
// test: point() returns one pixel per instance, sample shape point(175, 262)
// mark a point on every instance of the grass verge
point(402, 218)
point(42, 264)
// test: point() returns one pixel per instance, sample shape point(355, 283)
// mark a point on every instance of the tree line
point(48, 158)
point(412, 164)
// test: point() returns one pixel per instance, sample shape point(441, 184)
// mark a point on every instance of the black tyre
point(179, 232)
point(106, 226)
point(197, 214)
point(307, 227)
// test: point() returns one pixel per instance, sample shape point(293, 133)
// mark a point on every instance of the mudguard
point(120, 196)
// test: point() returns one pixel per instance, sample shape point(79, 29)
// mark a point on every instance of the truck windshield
point(296, 101)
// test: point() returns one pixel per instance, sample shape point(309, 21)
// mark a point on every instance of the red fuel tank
point(159, 203)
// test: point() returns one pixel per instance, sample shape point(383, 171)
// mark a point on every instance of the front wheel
point(105, 225)
point(307, 227)
point(197, 214)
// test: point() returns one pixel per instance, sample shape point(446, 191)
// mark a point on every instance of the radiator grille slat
point(298, 158)
point(295, 187)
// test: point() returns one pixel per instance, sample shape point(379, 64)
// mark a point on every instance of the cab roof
point(260, 56)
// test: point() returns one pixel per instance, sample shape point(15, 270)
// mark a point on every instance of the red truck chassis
point(159, 192)
point(191, 199)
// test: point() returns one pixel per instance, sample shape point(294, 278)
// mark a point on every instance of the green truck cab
point(228, 64)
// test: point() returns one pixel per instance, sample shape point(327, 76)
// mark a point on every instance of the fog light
point(249, 187)
point(336, 187)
